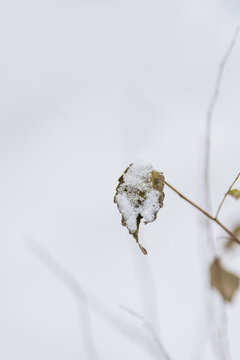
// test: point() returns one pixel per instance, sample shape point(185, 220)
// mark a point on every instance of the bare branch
point(204, 212)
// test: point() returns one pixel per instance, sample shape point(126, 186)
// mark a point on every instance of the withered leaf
point(236, 230)
point(139, 195)
point(224, 281)
point(230, 242)
point(235, 193)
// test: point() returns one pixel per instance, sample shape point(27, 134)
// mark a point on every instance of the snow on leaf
point(235, 193)
point(224, 281)
point(139, 195)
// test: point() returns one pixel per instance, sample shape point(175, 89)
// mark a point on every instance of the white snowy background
point(86, 88)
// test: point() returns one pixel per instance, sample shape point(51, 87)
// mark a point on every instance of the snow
point(136, 195)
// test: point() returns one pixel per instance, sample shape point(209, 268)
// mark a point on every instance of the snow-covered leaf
point(223, 280)
point(139, 195)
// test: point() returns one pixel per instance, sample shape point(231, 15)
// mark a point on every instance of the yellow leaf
point(235, 193)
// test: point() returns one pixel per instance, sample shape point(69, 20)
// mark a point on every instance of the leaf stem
point(230, 188)
point(143, 250)
point(204, 212)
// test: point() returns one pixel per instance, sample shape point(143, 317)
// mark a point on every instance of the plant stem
point(230, 188)
point(210, 113)
point(207, 175)
point(204, 212)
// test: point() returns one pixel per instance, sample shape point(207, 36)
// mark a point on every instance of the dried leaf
point(225, 282)
point(139, 195)
point(236, 230)
point(230, 243)
point(235, 193)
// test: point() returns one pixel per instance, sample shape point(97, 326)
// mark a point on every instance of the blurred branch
point(216, 90)
point(62, 274)
point(109, 317)
point(210, 113)
point(148, 326)
point(230, 188)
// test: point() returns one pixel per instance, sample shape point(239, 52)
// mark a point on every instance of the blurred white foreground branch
point(141, 337)
point(149, 328)
point(58, 270)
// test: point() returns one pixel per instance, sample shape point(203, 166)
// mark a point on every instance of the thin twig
point(230, 188)
point(204, 212)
